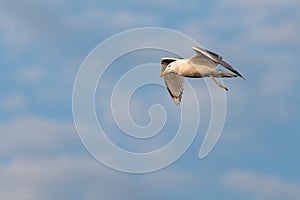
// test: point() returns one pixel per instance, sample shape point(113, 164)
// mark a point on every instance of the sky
point(42, 45)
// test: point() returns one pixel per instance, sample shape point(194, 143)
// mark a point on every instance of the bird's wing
point(175, 85)
point(201, 59)
point(215, 58)
point(174, 82)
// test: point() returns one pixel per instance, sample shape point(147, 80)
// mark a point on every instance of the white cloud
point(27, 24)
point(256, 4)
point(64, 178)
point(30, 136)
point(45, 162)
point(13, 102)
point(178, 178)
point(39, 167)
point(83, 178)
point(96, 19)
point(260, 186)
point(30, 74)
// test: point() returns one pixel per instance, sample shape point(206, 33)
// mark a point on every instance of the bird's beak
point(163, 73)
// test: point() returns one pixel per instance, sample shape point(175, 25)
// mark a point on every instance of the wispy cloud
point(261, 186)
point(64, 178)
point(31, 136)
point(13, 102)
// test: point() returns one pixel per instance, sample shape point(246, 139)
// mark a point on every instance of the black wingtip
point(242, 77)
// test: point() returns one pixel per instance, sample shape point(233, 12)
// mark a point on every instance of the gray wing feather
point(201, 59)
point(216, 58)
point(175, 85)
point(174, 82)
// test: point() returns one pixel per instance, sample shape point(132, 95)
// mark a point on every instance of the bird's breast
point(196, 71)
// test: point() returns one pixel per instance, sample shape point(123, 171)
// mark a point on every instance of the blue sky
point(42, 45)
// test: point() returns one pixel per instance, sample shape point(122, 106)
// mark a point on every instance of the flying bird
point(202, 64)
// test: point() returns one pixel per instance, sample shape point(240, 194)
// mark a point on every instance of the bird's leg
point(218, 84)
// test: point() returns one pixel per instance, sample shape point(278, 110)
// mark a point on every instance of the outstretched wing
point(216, 58)
point(174, 82)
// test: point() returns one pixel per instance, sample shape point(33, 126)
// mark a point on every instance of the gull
point(202, 64)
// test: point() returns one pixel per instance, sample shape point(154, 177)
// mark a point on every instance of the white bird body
point(202, 64)
point(187, 69)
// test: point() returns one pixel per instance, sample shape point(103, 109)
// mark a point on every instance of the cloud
point(260, 186)
point(64, 178)
point(35, 24)
point(30, 75)
point(96, 18)
point(84, 178)
point(32, 23)
point(45, 160)
point(13, 102)
point(162, 179)
point(31, 136)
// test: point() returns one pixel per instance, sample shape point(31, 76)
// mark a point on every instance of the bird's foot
point(218, 84)
point(222, 86)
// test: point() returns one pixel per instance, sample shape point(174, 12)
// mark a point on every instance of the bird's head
point(171, 68)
